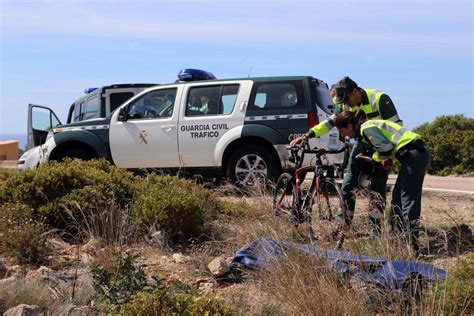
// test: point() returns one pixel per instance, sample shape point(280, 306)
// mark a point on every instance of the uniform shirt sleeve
point(388, 110)
point(323, 127)
point(383, 146)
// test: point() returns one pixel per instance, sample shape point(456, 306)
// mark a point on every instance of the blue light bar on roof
point(89, 90)
point(194, 74)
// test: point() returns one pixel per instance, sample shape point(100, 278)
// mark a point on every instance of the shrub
point(6, 173)
point(451, 142)
point(63, 192)
point(459, 288)
point(123, 289)
point(116, 283)
point(162, 302)
point(21, 235)
point(177, 206)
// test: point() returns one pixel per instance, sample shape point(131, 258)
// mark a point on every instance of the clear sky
point(419, 52)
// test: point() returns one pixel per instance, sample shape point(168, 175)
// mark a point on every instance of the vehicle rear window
point(119, 98)
point(92, 108)
point(273, 95)
point(212, 100)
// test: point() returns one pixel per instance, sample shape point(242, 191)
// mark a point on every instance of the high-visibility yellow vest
point(371, 109)
point(396, 135)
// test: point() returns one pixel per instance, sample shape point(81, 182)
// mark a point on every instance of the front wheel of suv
point(74, 154)
point(252, 165)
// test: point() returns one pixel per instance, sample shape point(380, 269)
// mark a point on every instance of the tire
point(285, 204)
point(252, 165)
point(331, 200)
point(74, 154)
point(284, 195)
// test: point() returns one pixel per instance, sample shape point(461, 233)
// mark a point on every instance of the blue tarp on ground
point(383, 273)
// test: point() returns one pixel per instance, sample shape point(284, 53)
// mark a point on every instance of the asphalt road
point(446, 184)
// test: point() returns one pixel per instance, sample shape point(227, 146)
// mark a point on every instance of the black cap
point(343, 87)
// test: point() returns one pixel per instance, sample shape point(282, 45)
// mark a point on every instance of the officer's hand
point(296, 141)
point(387, 164)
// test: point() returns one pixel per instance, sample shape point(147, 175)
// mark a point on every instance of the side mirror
point(122, 116)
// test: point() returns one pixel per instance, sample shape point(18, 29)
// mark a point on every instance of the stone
point(48, 276)
point(15, 270)
point(23, 310)
point(206, 288)
point(180, 258)
point(218, 267)
point(73, 310)
point(7, 281)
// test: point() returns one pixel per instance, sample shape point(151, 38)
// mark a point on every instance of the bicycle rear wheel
point(330, 200)
point(284, 196)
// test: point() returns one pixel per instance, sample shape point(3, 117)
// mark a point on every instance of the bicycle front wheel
point(284, 196)
point(330, 199)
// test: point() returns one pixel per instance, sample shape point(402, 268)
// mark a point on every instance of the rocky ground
point(66, 281)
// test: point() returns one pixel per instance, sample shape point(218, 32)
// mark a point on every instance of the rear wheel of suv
point(252, 165)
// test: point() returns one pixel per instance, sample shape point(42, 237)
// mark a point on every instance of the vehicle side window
point(119, 98)
point(154, 104)
point(211, 100)
point(43, 119)
point(92, 108)
point(79, 109)
point(273, 95)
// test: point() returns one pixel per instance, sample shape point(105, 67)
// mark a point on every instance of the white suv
point(234, 128)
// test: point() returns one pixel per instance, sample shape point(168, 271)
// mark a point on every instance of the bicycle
point(291, 199)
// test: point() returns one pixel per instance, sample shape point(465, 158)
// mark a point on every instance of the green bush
point(177, 206)
point(22, 235)
point(63, 192)
point(6, 173)
point(459, 288)
point(122, 289)
point(162, 302)
point(451, 142)
point(115, 284)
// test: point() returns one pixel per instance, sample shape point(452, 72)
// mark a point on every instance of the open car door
point(41, 120)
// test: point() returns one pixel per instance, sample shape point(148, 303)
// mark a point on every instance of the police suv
point(96, 103)
point(234, 128)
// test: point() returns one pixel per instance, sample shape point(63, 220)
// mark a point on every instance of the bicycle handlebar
point(298, 151)
point(305, 148)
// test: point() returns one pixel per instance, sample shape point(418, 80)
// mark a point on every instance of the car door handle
point(168, 128)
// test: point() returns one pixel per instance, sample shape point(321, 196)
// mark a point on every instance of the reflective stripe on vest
point(372, 108)
point(396, 134)
point(383, 125)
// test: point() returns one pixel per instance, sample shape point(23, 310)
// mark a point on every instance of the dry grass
point(110, 224)
point(301, 284)
point(54, 299)
point(295, 284)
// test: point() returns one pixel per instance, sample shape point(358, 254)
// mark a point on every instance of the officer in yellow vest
point(392, 140)
point(347, 95)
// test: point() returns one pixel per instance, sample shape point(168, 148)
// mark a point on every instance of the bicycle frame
point(303, 205)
